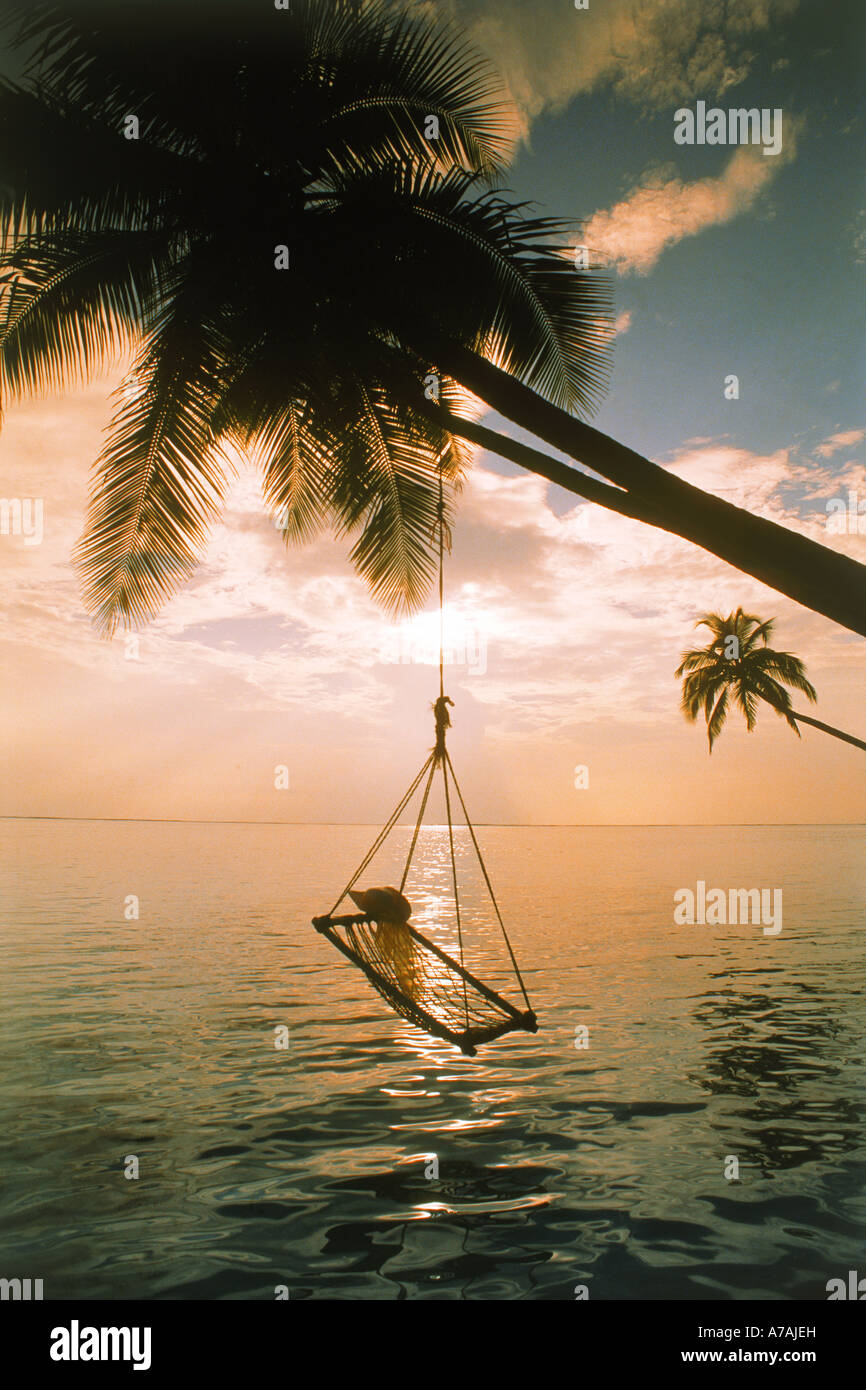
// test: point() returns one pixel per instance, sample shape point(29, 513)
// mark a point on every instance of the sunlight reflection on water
point(307, 1166)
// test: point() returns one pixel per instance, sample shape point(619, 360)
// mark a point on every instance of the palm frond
point(747, 700)
point(699, 659)
point(387, 487)
point(787, 668)
point(775, 695)
point(762, 632)
point(700, 690)
point(502, 280)
point(297, 473)
point(716, 717)
point(718, 625)
point(161, 476)
point(403, 68)
point(75, 303)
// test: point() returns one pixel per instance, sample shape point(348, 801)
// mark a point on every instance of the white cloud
point(845, 440)
point(654, 53)
point(664, 209)
point(271, 655)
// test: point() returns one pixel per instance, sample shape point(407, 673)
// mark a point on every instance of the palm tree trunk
point(827, 729)
point(554, 470)
point(824, 580)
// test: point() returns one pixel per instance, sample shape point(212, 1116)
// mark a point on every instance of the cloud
point(655, 53)
point(565, 628)
point(664, 209)
point(839, 441)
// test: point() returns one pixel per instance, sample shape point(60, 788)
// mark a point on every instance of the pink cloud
point(664, 209)
point(845, 440)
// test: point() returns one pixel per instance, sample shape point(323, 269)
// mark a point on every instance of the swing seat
point(422, 983)
point(419, 980)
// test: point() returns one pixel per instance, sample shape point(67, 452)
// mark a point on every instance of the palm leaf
point(77, 302)
point(700, 690)
point(161, 476)
point(787, 668)
point(776, 696)
point(388, 488)
point(716, 717)
point(746, 698)
point(405, 68)
point(297, 473)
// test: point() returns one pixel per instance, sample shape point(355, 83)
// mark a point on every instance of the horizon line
point(516, 825)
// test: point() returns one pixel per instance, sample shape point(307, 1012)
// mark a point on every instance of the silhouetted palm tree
point(365, 142)
point(738, 663)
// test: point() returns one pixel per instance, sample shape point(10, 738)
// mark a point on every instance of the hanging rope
point(430, 1001)
point(441, 514)
point(454, 882)
point(471, 829)
point(443, 722)
point(432, 763)
point(382, 837)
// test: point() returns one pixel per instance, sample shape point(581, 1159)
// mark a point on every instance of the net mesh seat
point(423, 983)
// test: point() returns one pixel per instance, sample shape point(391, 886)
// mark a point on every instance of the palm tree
point(292, 216)
point(739, 662)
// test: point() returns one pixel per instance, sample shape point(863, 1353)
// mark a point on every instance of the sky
point(273, 688)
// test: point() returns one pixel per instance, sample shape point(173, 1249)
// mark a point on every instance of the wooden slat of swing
point(499, 1017)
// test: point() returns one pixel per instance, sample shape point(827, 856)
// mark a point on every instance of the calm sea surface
point(306, 1166)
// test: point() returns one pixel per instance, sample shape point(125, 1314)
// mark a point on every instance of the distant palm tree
point(163, 161)
point(738, 663)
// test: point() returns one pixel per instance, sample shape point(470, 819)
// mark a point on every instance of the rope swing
point(418, 979)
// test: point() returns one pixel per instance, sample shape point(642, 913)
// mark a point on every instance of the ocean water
point(312, 1165)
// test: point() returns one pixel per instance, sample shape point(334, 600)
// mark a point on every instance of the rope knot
point(443, 721)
